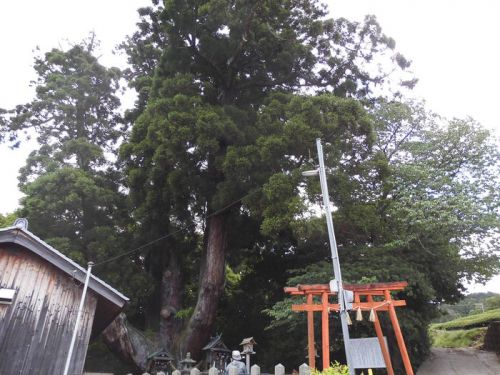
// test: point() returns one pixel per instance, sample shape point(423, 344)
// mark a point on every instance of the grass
point(465, 332)
point(460, 338)
point(470, 321)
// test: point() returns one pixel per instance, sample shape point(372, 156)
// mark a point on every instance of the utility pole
point(78, 318)
point(335, 256)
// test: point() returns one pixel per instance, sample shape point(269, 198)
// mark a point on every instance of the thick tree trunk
point(211, 287)
point(170, 303)
point(128, 343)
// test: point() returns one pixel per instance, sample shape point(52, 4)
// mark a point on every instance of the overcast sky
point(453, 44)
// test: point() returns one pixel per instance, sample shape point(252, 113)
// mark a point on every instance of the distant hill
point(471, 304)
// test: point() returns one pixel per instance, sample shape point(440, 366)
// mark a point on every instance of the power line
point(140, 247)
point(175, 232)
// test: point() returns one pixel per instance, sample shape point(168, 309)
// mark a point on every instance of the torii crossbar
point(368, 297)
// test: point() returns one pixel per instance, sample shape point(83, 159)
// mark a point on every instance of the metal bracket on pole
point(348, 299)
point(334, 286)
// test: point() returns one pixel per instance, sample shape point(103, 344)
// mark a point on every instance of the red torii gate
point(363, 299)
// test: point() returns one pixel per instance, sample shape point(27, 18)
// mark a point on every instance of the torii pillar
point(367, 292)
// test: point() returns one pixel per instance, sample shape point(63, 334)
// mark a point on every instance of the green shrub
point(335, 369)
point(457, 338)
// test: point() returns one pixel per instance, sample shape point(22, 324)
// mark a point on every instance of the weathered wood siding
point(36, 329)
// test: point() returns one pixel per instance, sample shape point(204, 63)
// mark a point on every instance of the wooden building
point(217, 354)
point(40, 291)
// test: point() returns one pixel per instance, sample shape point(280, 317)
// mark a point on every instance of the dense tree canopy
point(207, 185)
point(224, 123)
point(72, 190)
point(75, 118)
point(426, 211)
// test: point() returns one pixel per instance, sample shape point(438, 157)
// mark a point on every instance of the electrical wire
point(116, 257)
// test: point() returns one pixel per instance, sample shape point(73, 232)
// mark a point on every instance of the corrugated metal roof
point(23, 237)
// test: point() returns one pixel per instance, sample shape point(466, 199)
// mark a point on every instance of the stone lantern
point(160, 361)
point(187, 364)
point(248, 344)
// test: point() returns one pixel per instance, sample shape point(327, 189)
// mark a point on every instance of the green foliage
point(73, 197)
point(173, 183)
point(223, 128)
point(5, 133)
point(218, 118)
point(7, 220)
point(446, 202)
point(492, 302)
point(458, 338)
point(412, 213)
point(184, 313)
point(143, 50)
point(466, 331)
point(75, 116)
point(75, 105)
point(474, 320)
point(335, 369)
point(249, 48)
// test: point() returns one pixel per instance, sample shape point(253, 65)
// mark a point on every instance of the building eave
point(28, 240)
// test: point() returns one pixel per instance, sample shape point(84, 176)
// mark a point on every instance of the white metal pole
point(335, 256)
point(78, 318)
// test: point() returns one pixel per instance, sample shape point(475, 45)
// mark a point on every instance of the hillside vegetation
point(471, 304)
point(467, 331)
point(470, 321)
